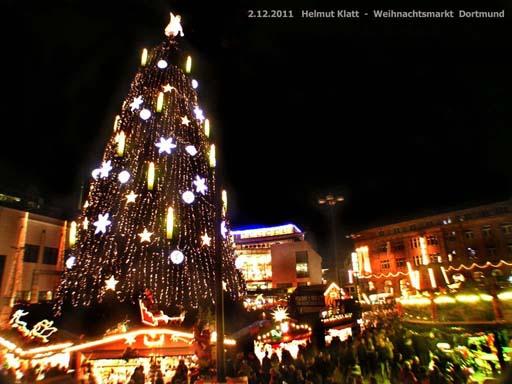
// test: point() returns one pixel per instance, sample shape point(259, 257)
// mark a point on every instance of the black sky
point(400, 116)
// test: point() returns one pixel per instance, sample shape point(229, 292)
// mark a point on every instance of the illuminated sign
point(286, 229)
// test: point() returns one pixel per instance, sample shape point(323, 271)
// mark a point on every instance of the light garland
point(479, 266)
point(145, 205)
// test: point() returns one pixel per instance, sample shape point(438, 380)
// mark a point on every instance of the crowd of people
point(27, 374)
point(384, 352)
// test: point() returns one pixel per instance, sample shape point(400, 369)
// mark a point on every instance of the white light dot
point(162, 64)
point(239, 263)
point(188, 197)
point(145, 114)
point(70, 262)
point(191, 150)
point(195, 84)
point(177, 257)
point(124, 176)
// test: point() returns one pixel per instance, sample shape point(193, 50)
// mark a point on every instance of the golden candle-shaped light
point(72, 234)
point(121, 141)
point(188, 64)
point(116, 122)
point(224, 201)
point(170, 222)
point(144, 57)
point(207, 127)
point(160, 102)
point(151, 175)
point(213, 162)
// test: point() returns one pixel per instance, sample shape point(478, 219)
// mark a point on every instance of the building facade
point(276, 257)
point(429, 252)
point(32, 248)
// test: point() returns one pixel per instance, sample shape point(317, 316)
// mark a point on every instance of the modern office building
point(276, 257)
point(428, 252)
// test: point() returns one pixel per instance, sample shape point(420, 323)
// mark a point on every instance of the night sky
point(401, 117)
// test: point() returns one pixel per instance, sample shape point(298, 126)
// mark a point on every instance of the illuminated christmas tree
point(148, 221)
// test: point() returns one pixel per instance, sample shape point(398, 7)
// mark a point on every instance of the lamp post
point(331, 201)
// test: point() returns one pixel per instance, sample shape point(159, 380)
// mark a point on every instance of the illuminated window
point(507, 229)
point(417, 260)
point(415, 243)
point(45, 296)
point(31, 253)
point(452, 236)
point(432, 240)
point(301, 266)
point(384, 264)
point(23, 296)
point(50, 255)
point(486, 231)
point(401, 263)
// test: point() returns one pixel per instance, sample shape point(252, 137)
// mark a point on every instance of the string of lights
point(148, 221)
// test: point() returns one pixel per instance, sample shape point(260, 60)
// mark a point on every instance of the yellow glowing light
point(433, 283)
point(224, 201)
point(485, 297)
point(425, 259)
point(505, 296)
point(414, 276)
point(120, 139)
point(151, 175)
point(116, 122)
point(213, 161)
point(188, 65)
point(207, 127)
point(160, 102)
point(144, 57)
point(280, 314)
point(151, 343)
point(444, 300)
point(85, 223)
point(416, 300)
point(170, 222)
point(72, 234)
point(467, 298)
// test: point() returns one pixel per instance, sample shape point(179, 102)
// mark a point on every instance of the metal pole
point(335, 244)
point(219, 289)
